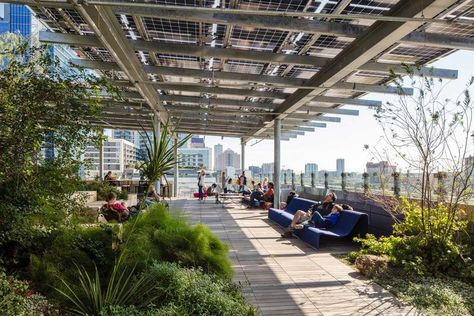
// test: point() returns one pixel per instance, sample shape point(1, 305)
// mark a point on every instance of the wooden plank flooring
point(287, 276)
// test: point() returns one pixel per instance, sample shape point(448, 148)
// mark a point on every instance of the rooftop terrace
point(287, 276)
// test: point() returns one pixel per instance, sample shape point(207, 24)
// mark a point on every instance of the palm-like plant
point(124, 287)
point(159, 156)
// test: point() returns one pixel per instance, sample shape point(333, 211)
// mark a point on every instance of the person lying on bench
point(313, 217)
point(328, 221)
point(325, 206)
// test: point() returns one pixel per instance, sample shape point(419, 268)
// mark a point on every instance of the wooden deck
point(287, 276)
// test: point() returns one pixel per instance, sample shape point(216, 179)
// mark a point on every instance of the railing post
point(293, 187)
point(441, 189)
point(284, 178)
point(365, 175)
point(326, 183)
point(302, 179)
point(396, 183)
point(343, 181)
point(312, 180)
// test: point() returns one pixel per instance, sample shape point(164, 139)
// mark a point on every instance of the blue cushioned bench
point(349, 223)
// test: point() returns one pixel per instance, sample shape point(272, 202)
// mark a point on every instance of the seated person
point(316, 218)
point(268, 195)
point(249, 190)
point(229, 188)
point(325, 206)
point(256, 195)
point(152, 197)
point(212, 191)
point(113, 210)
point(290, 197)
point(110, 178)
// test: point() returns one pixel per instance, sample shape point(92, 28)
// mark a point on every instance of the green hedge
point(17, 299)
point(183, 291)
point(156, 235)
point(68, 247)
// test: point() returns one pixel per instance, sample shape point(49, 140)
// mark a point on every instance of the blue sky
point(341, 140)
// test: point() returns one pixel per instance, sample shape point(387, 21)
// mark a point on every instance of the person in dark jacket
point(242, 182)
point(323, 208)
point(329, 220)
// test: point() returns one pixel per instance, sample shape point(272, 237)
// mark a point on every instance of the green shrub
point(433, 250)
point(156, 235)
point(431, 295)
point(182, 291)
point(85, 246)
point(17, 299)
point(95, 293)
point(103, 188)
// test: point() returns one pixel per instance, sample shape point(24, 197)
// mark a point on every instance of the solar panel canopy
point(231, 67)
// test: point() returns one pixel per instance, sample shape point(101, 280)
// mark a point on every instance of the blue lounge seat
point(349, 223)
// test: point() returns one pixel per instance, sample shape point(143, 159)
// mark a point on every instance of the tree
point(159, 155)
point(431, 134)
point(40, 100)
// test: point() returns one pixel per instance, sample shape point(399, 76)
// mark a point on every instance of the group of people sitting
point(324, 214)
point(113, 210)
point(257, 194)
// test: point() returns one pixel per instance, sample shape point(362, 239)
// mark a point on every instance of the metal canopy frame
point(227, 70)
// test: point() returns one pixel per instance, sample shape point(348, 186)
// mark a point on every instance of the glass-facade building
point(15, 18)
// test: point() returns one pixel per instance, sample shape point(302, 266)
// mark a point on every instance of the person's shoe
point(299, 226)
point(287, 234)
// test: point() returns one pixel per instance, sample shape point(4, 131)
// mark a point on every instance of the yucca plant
point(124, 288)
point(159, 156)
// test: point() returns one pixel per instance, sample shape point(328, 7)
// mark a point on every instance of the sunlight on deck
point(287, 276)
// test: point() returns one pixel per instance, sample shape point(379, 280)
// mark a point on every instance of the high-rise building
point(229, 158)
point(255, 170)
point(310, 168)
point(340, 166)
point(139, 139)
point(15, 18)
point(197, 142)
point(130, 136)
point(119, 156)
point(379, 170)
point(267, 168)
point(218, 166)
point(195, 157)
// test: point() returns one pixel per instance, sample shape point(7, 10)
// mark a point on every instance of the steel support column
point(242, 154)
point(157, 130)
point(101, 160)
point(276, 162)
point(176, 168)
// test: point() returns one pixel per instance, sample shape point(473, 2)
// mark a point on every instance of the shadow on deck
point(287, 276)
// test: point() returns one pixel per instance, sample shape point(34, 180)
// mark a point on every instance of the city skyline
point(344, 140)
